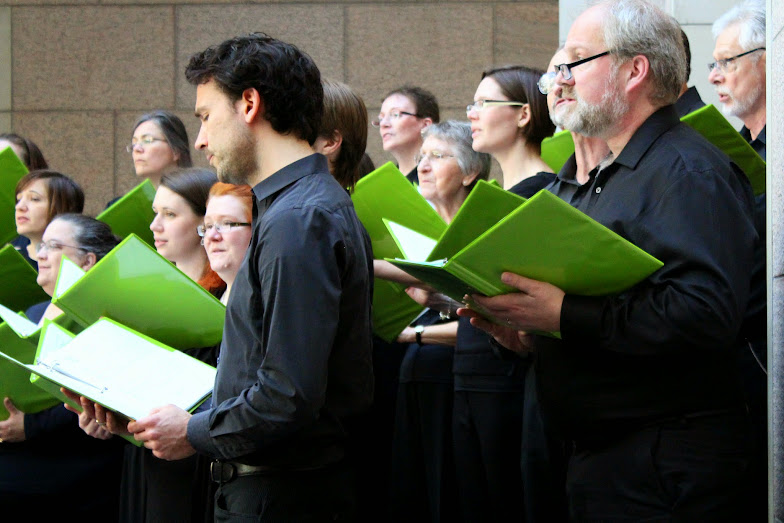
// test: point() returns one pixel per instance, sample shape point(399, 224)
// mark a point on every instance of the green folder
point(21, 344)
point(545, 239)
point(11, 171)
point(386, 193)
point(132, 213)
point(136, 286)
point(18, 288)
point(707, 121)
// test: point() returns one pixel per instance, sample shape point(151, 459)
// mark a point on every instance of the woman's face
point(440, 178)
point(58, 240)
point(154, 159)
point(226, 250)
point(402, 132)
point(174, 226)
point(494, 128)
point(32, 209)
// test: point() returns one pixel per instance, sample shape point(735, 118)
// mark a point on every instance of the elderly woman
point(405, 113)
point(423, 475)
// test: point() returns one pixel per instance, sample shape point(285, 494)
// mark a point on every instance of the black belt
point(225, 471)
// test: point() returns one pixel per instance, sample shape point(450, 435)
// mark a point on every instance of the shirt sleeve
point(703, 231)
point(301, 260)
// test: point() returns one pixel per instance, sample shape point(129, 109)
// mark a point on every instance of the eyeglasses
point(204, 230)
point(54, 245)
point(547, 81)
point(142, 142)
point(392, 116)
point(481, 104)
point(728, 65)
point(433, 156)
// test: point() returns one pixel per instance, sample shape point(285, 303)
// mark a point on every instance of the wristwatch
point(419, 329)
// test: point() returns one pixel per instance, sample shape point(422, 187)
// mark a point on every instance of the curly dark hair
point(286, 78)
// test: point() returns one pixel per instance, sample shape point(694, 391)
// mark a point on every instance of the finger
point(465, 312)
point(100, 414)
point(70, 395)
point(73, 409)
point(481, 323)
point(115, 424)
point(88, 406)
point(10, 407)
point(522, 283)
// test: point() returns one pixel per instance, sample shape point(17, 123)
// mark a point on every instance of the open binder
point(132, 213)
point(545, 239)
point(707, 121)
point(136, 286)
point(11, 171)
point(386, 193)
point(19, 289)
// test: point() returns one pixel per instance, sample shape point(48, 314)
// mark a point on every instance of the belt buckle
point(221, 472)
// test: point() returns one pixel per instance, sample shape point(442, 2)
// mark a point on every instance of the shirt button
point(598, 190)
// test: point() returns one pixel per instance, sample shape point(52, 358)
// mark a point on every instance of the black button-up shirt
point(296, 350)
point(664, 347)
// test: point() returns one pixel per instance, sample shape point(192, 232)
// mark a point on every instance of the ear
point(637, 71)
point(469, 179)
point(525, 116)
point(333, 143)
point(427, 122)
point(88, 261)
point(250, 105)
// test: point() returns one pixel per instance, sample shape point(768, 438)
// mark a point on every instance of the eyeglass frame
point(722, 64)
point(377, 123)
point(430, 156)
point(41, 246)
point(203, 231)
point(491, 103)
point(566, 72)
point(141, 143)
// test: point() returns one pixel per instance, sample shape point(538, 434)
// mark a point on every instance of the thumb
point(518, 282)
point(9, 405)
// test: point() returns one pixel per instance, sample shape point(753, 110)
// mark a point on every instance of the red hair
point(211, 281)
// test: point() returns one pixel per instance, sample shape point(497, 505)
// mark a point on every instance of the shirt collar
point(568, 172)
point(290, 174)
point(746, 134)
point(657, 124)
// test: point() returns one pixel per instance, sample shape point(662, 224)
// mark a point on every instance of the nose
point(155, 225)
point(21, 204)
point(715, 76)
point(201, 139)
point(213, 235)
point(561, 81)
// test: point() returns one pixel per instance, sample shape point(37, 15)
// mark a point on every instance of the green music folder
point(11, 171)
point(132, 213)
point(18, 288)
point(19, 340)
point(136, 286)
point(386, 193)
point(545, 239)
point(708, 121)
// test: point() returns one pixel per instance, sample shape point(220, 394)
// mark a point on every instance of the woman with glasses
point(46, 462)
point(40, 196)
point(423, 475)
point(405, 113)
point(159, 144)
point(509, 120)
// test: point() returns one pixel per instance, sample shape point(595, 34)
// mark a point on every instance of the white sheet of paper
point(69, 274)
point(21, 326)
point(415, 246)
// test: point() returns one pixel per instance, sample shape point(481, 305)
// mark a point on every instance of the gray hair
point(458, 135)
point(750, 15)
point(636, 27)
point(90, 234)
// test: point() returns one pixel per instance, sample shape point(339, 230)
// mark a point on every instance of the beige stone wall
point(74, 74)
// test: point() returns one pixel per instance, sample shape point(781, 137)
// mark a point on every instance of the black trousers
point(314, 496)
point(487, 433)
point(690, 469)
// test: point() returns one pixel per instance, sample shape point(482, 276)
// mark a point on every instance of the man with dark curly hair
point(295, 357)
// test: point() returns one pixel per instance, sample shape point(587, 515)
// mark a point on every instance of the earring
point(202, 241)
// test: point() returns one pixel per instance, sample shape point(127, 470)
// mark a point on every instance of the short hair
point(521, 84)
point(173, 130)
point(345, 112)
point(243, 192)
point(286, 78)
point(64, 194)
point(193, 184)
point(637, 27)
point(32, 156)
point(750, 15)
point(687, 49)
point(458, 136)
point(90, 234)
point(425, 102)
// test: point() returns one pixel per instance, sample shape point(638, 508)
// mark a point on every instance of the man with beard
point(295, 356)
point(643, 383)
point(739, 77)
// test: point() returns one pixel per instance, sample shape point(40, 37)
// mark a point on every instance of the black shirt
point(666, 346)
point(689, 102)
point(295, 356)
point(758, 143)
